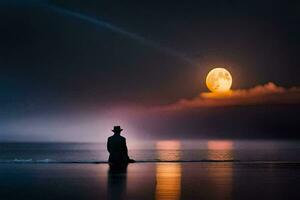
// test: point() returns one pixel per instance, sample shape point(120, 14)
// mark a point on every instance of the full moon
point(218, 80)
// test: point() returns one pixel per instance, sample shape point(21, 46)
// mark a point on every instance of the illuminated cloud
point(269, 93)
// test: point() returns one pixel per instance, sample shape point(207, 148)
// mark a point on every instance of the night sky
point(70, 70)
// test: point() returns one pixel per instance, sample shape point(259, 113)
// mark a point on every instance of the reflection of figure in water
point(116, 185)
point(117, 148)
point(118, 161)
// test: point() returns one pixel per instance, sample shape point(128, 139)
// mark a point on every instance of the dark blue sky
point(56, 61)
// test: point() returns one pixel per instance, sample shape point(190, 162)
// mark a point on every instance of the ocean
point(165, 170)
point(154, 151)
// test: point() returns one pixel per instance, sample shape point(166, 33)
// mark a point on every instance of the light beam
point(116, 29)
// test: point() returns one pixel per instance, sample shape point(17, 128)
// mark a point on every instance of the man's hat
point(117, 129)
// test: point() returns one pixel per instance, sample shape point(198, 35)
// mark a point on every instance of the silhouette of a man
point(117, 148)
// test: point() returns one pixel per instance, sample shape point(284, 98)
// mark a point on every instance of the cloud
point(268, 93)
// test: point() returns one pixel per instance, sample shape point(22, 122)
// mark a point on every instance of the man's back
point(116, 146)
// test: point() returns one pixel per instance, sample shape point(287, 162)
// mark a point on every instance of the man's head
point(117, 130)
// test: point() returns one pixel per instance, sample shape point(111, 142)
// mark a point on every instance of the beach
point(222, 180)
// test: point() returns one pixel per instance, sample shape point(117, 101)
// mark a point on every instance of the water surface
point(172, 150)
point(159, 181)
point(166, 170)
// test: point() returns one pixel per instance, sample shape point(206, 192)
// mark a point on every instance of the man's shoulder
point(110, 137)
point(113, 137)
point(123, 138)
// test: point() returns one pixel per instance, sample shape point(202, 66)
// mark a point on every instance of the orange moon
point(219, 80)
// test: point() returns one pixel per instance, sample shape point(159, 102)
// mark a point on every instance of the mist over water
point(163, 150)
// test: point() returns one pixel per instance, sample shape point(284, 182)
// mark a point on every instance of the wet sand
point(151, 181)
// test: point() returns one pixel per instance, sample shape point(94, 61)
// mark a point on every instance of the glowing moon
point(219, 80)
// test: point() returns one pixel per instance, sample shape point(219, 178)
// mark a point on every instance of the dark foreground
point(151, 181)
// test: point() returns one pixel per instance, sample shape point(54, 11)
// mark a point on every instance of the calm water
point(154, 151)
point(147, 181)
point(21, 178)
